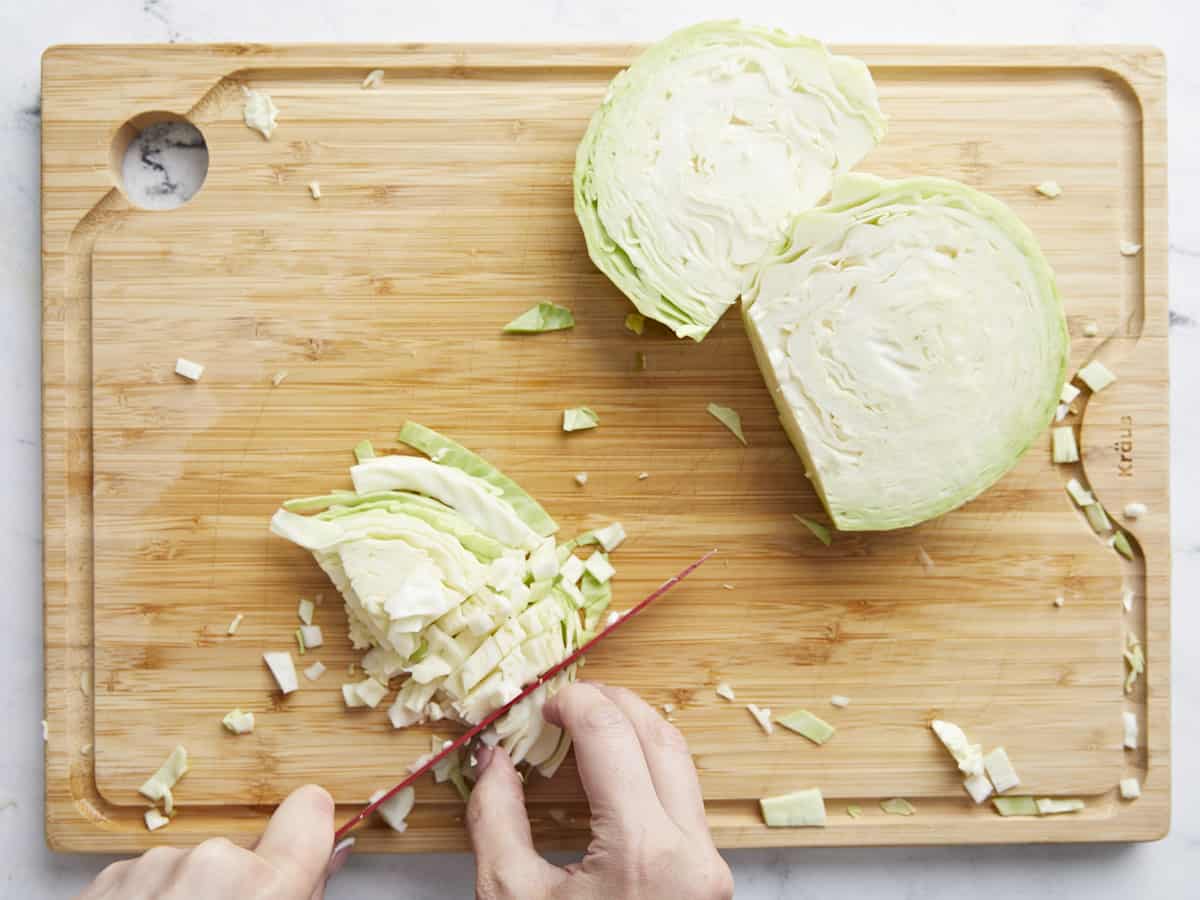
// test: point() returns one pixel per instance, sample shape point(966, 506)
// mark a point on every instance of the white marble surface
point(27, 870)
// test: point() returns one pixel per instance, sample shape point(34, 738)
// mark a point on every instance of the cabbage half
point(450, 576)
point(701, 153)
point(914, 342)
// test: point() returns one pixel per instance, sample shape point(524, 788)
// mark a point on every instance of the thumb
point(299, 838)
point(500, 835)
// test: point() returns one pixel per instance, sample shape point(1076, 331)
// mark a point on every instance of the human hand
point(288, 863)
point(649, 835)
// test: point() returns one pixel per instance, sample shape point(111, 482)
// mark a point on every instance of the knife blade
point(475, 730)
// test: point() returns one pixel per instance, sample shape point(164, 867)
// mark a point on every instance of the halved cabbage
point(914, 342)
point(702, 151)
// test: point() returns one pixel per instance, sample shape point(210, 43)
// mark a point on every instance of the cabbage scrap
point(540, 319)
point(799, 809)
point(729, 418)
point(579, 418)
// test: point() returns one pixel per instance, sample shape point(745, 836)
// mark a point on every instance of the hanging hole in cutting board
point(159, 160)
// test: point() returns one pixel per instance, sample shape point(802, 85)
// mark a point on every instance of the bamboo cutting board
point(445, 211)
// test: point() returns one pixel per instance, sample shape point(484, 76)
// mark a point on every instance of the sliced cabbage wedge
point(914, 341)
point(702, 151)
point(453, 583)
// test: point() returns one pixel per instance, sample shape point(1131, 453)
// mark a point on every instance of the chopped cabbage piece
point(311, 636)
point(259, 112)
point(364, 450)
point(978, 786)
point(374, 79)
point(396, 808)
point(1047, 806)
point(806, 724)
point(968, 756)
point(283, 669)
point(314, 188)
point(572, 570)
point(579, 418)
point(1130, 723)
point(1096, 376)
point(839, 701)
point(581, 478)
point(729, 418)
point(540, 319)
point(1081, 495)
point(610, 537)
point(1121, 544)
point(188, 369)
point(1129, 248)
point(854, 811)
point(1097, 518)
point(897, 807)
point(1049, 189)
point(305, 611)
point(235, 624)
point(635, 322)
point(599, 567)
point(1015, 806)
point(762, 715)
point(1064, 449)
point(799, 809)
point(724, 690)
point(1090, 329)
point(315, 671)
point(1069, 393)
point(158, 786)
point(1130, 789)
point(155, 820)
point(819, 531)
point(1000, 770)
point(238, 721)
point(1134, 510)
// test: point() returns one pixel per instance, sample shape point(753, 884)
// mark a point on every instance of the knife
point(475, 730)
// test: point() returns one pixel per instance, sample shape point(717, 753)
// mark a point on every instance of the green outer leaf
point(806, 724)
point(820, 532)
point(450, 453)
point(303, 505)
point(579, 418)
point(729, 418)
point(566, 549)
point(1015, 806)
point(541, 318)
point(440, 516)
point(364, 450)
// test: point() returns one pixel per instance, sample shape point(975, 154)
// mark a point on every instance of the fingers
point(611, 764)
point(136, 879)
point(299, 838)
point(506, 864)
point(667, 757)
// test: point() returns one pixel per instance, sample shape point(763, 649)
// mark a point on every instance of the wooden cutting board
point(445, 211)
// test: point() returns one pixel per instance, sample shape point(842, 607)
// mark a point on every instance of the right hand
point(649, 835)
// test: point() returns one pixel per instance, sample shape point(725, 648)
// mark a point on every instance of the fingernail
point(483, 758)
point(338, 858)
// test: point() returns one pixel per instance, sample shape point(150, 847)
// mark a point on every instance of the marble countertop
point(28, 870)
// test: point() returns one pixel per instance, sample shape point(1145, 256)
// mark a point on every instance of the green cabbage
point(702, 151)
point(914, 342)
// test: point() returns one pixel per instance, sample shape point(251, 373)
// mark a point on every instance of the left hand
point(288, 863)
